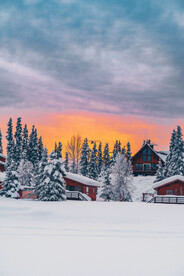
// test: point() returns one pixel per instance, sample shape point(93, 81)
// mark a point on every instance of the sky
point(104, 69)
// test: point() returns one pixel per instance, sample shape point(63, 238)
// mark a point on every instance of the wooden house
point(173, 185)
point(145, 161)
point(82, 184)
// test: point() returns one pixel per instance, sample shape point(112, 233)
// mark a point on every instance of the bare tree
point(74, 147)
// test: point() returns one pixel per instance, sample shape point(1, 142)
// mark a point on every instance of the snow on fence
point(167, 199)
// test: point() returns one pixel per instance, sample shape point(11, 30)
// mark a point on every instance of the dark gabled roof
point(161, 154)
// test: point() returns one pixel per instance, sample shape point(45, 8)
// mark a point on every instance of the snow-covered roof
point(2, 155)
point(162, 154)
point(2, 176)
point(3, 163)
point(168, 180)
point(83, 179)
point(25, 188)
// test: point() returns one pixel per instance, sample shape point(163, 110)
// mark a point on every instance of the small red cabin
point(27, 193)
point(83, 184)
point(145, 161)
point(173, 185)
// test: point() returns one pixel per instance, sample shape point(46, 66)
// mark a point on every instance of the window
point(87, 190)
point(154, 167)
point(146, 167)
point(146, 155)
point(138, 167)
point(169, 192)
point(78, 188)
point(93, 190)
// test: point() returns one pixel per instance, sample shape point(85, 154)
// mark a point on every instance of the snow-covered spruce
point(93, 169)
point(18, 140)
point(121, 179)
point(107, 188)
point(84, 162)
point(11, 182)
point(33, 148)
point(128, 152)
point(25, 173)
point(99, 159)
point(52, 187)
point(1, 145)
point(160, 172)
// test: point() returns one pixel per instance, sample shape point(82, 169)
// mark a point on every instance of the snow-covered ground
point(142, 184)
point(90, 238)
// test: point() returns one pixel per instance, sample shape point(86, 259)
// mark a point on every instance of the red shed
point(83, 184)
point(27, 192)
point(145, 161)
point(173, 185)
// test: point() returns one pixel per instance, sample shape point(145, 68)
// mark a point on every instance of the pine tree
point(33, 148)
point(123, 151)
point(122, 178)
point(25, 173)
point(115, 151)
point(99, 159)
point(25, 143)
point(18, 139)
point(59, 150)
point(40, 148)
point(10, 143)
point(42, 164)
point(128, 152)
point(160, 172)
point(66, 164)
point(93, 169)
point(1, 145)
point(119, 146)
point(106, 156)
point(53, 185)
point(107, 188)
point(177, 162)
point(84, 162)
point(167, 171)
point(11, 183)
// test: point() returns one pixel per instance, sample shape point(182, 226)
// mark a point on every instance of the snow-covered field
point(90, 238)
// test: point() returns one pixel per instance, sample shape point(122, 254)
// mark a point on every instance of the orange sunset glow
point(107, 128)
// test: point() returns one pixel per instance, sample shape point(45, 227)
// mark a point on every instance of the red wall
point(92, 190)
point(177, 187)
point(2, 167)
point(138, 159)
point(28, 194)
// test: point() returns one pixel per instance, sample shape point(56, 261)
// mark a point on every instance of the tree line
point(29, 165)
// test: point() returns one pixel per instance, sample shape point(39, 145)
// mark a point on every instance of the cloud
point(108, 57)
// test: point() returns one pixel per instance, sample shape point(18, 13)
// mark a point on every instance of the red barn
point(80, 183)
point(173, 185)
point(145, 161)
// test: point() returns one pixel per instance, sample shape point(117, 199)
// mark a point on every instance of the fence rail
point(167, 199)
point(75, 195)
